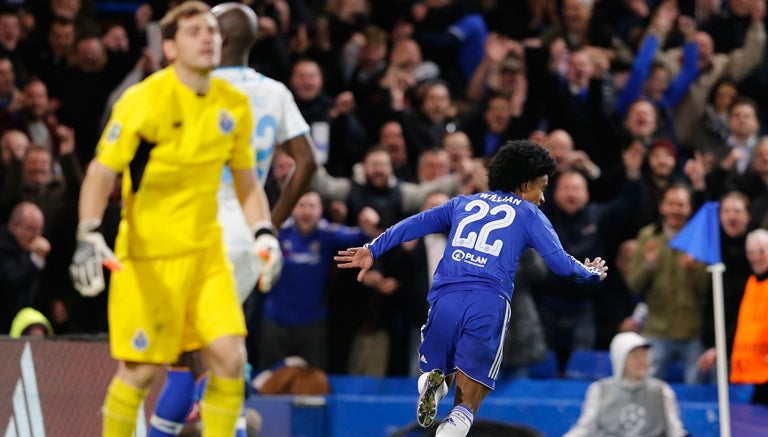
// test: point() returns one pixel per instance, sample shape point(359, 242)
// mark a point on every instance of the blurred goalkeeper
point(277, 119)
point(172, 289)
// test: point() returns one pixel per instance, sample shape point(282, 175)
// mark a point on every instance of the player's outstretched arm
point(355, 257)
point(599, 264)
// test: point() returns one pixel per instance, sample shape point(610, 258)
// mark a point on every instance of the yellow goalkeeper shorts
point(161, 307)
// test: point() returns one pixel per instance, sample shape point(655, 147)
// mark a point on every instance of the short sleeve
point(292, 123)
point(120, 139)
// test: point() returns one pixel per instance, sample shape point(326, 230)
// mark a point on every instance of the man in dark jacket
point(23, 250)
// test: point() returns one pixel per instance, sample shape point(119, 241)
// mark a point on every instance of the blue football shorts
point(465, 331)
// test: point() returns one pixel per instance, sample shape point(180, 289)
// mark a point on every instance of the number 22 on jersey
point(479, 239)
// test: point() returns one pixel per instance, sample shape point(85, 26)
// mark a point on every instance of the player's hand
point(91, 254)
point(599, 264)
point(355, 257)
point(267, 248)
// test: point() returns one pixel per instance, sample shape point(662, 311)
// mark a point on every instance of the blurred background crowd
point(650, 107)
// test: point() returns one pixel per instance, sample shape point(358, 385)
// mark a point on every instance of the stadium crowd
point(650, 108)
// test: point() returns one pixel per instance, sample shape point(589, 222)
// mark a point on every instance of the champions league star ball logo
point(226, 122)
point(633, 419)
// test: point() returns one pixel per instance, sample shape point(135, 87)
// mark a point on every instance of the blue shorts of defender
point(465, 330)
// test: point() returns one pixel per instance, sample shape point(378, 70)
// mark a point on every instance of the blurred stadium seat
point(588, 365)
point(545, 369)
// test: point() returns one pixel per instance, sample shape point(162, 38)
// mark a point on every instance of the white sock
point(457, 423)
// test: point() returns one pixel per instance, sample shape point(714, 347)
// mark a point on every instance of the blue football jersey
point(487, 234)
point(297, 297)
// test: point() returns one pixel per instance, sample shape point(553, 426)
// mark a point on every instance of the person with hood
point(630, 402)
point(30, 322)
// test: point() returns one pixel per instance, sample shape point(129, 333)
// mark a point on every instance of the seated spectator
point(23, 251)
point(30, 322)
point(630, 402)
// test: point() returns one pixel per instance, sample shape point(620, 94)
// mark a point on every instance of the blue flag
point(701, 236)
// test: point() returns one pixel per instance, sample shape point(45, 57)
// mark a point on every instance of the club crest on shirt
point(226, 121)
point(114, 132)
point(140, 340)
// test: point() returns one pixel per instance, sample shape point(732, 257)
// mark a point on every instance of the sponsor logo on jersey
point(469, 258)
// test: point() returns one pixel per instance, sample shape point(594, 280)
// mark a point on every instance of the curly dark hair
point(516, 162)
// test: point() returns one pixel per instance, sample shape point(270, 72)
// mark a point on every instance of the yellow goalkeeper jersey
point(171, 146)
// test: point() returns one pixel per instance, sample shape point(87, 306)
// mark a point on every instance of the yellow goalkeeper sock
point(220, 406)
point(121, 408)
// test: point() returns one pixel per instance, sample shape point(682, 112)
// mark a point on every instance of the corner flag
point(701, 239)
point(701, 236)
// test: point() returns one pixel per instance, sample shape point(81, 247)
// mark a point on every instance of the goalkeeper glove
point(267, 248)
point(90, 255)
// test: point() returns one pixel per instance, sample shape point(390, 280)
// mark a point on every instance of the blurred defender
point(171, 136)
